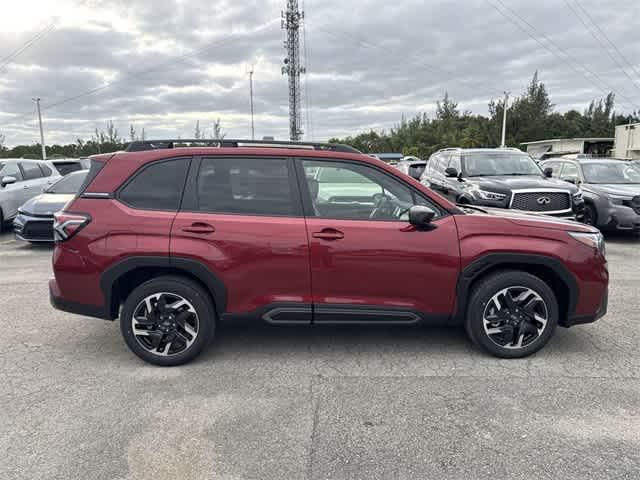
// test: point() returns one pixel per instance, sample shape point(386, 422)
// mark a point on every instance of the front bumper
point(582, 319)
point(68, 306)
point(619, 217)
point(33, 228)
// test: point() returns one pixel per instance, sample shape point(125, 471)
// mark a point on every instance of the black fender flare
point(192, 267)
point(490, 261)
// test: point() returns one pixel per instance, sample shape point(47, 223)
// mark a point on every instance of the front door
point(242, 218)
point(368, 264)
point(11, 195)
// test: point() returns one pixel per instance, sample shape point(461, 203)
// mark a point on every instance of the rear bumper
point(68, 306)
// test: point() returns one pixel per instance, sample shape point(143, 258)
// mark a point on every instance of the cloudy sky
point(163, 64)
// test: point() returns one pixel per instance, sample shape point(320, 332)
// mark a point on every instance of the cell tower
point(291, 20)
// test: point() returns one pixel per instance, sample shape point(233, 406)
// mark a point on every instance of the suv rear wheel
point(168, 320)
point(511, 314)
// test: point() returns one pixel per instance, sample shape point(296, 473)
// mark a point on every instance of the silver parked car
point(412, 166)
point(34, 222)
point(21, 180)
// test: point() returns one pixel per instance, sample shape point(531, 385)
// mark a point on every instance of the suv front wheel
point(168, 320)
point(511, 314)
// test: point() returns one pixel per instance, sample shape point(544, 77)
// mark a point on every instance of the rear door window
point(247, 186)
point(157, 186)
point(31, 170)
point(46, 171)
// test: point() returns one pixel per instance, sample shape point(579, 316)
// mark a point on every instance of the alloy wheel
point(515, 317)
point(165, 324)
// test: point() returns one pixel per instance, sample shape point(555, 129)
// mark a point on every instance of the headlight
point(486, 195)
point(578, 195)
point(618, 199)
point(594, 240)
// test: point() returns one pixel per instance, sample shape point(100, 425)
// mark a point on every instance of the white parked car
point(21, 180)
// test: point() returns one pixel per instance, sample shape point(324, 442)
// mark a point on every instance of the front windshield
point(69, 184)
point(492, 164)
point(611, 172)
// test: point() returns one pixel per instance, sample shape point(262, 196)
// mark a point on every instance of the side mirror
point(8, 180)
point(548, 172)
point(451, 172)
point(421, 216)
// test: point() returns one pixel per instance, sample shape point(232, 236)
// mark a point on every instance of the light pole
point(504, 120)
point(44, 151)
point(251, 95)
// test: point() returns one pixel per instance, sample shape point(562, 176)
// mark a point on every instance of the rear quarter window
point(157, 186)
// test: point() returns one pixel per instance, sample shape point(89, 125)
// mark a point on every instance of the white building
point(627, 144)
point(562, 146)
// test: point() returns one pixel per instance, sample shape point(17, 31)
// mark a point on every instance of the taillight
point(66, 225)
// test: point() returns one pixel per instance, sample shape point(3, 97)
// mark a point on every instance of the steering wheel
point(384, 207)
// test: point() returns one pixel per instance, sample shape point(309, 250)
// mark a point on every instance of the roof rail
point(143, 145)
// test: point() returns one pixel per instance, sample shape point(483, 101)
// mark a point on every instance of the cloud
point(163, 64)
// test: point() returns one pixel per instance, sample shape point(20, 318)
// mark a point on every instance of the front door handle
point(328, 234)
point(199, 227)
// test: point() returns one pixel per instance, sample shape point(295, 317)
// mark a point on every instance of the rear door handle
point(199, 227)
point(328, 234)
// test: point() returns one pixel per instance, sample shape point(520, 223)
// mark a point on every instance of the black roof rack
point(143, 145)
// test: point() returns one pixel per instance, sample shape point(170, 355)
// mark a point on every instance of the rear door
point(32, 179)
point(49, 175)
point(242, 218)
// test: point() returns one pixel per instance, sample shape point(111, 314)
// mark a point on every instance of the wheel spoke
point(144, 333)
point(494, 330)
point(496, 302)
point(540, 320)
point(508, 300)
point(147, 302)
point(520, 339)
point(178, 304)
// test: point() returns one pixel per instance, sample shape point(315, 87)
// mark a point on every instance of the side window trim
point(306, 196)
point(138, 172)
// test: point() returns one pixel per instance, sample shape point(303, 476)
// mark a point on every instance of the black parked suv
point(501, 178)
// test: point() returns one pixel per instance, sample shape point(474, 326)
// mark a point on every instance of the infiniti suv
point(175, 240)
point(501, 178)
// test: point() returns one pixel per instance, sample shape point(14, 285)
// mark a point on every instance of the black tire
point(178, 286)
point(483, 292)
point(590, 215)
point(1, 221)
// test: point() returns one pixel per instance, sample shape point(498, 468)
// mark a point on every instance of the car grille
point(541, 201)
point(38, 230)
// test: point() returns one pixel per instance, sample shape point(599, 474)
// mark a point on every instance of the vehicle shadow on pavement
point(621, 238)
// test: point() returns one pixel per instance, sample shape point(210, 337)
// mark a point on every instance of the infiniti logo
point(543, 200)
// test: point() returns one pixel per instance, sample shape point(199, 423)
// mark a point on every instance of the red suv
point(176, 238)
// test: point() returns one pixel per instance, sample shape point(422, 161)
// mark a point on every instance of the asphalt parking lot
point(295, 403)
